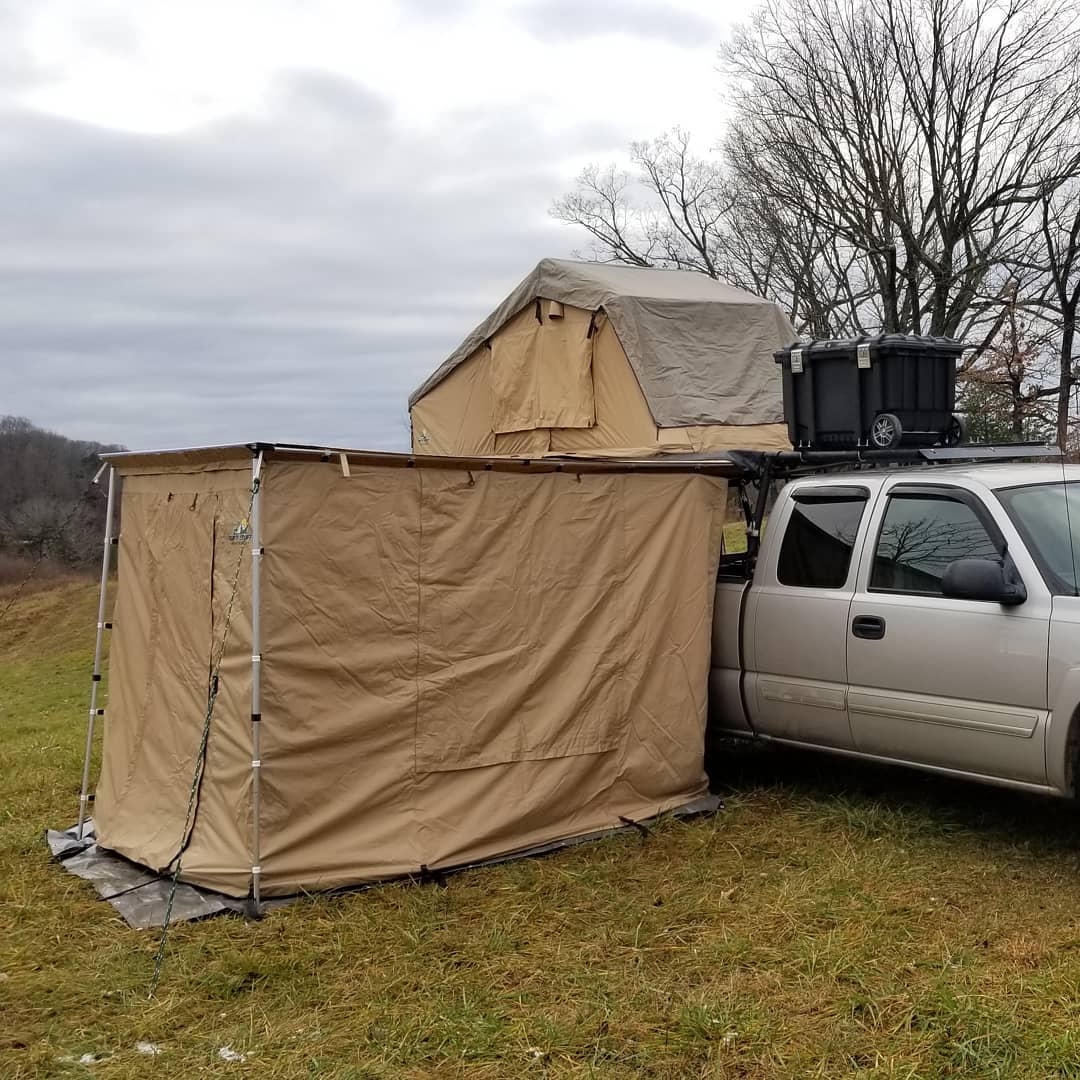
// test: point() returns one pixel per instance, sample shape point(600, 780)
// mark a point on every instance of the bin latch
point(862, 356)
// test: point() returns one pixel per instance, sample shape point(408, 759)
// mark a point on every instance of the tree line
point(888, 166)
point(48, 506)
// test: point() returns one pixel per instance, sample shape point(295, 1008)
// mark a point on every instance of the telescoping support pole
point(256, 679)
point(106, 562)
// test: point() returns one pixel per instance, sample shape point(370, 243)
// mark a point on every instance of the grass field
point(832, 921)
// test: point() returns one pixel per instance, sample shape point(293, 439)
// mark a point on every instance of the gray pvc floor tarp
point(141, 896)
point(138, 894)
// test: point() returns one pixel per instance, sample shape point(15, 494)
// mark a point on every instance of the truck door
point(937, 680)
point(797, 616)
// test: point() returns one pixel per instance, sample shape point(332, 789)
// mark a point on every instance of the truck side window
point(920, 535)
point(816, 551)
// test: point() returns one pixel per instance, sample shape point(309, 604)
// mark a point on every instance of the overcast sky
point(271, 219)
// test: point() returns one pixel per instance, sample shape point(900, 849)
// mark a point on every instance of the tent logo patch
point(241, 533)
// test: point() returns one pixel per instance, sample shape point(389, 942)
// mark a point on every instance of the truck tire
point(886, 432)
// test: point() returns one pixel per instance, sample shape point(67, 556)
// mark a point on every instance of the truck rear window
point(820, 535)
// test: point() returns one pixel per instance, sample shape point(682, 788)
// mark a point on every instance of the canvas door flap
point(541, 370)
point(622, 417)
point(221, 831)
point(159, 674)
point(515, 353)
point(521, 645)
point(564, 380)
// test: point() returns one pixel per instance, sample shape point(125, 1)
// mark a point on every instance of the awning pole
point(256, 680)
point(106, 562)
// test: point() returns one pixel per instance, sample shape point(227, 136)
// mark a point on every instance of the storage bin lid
point(881, 346)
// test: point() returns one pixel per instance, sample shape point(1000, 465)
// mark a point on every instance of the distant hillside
point(47, 505)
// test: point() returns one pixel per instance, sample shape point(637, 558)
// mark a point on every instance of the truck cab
point(920, 616)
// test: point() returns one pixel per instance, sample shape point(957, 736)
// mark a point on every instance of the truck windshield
point(1048, 518)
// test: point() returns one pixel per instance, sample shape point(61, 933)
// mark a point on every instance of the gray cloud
point(109, 32)
point(559, 20)
point(286, 275)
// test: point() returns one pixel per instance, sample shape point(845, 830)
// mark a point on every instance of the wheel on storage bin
point(955, 432)
point(886, 432)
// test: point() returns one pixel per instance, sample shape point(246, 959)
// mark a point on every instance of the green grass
point(833, 921)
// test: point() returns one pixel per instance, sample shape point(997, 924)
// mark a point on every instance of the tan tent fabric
point(176, 567)
point(455, 418)
point(524, 443)
point(748, 436)
point(640, 361)
point(677, 328)
point(458, 664)
point(541, 371)
point(622, 415)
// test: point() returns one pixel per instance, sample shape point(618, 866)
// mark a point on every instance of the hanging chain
point(200, 758)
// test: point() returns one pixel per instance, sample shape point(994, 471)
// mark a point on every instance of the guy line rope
point(200, 757)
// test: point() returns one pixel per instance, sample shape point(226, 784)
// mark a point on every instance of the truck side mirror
point(991, 580)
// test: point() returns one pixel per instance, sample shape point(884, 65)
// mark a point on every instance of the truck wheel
point(955, 432)
point(886, 432)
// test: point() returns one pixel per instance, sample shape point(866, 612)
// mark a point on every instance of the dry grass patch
point(832, 921)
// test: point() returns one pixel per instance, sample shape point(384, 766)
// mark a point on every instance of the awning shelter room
point(590, 358)
point(430, 662)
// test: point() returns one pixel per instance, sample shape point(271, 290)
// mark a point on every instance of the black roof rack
point(763, 467)
point(780, 463)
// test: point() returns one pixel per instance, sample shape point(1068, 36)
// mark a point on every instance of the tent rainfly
point(590, 358)
point(429, 662)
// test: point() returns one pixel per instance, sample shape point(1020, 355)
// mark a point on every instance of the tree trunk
point(1068, 335)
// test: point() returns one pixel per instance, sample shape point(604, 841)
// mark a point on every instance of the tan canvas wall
point(176, 567)
point(457, 665)
point(541, 370)
point(460, 667)
point(455, 418)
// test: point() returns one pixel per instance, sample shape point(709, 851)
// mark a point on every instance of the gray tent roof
point(701, 350)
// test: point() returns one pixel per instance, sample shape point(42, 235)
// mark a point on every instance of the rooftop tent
point(599, 359)
point(448, 660)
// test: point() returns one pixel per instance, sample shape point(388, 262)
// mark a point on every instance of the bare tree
point(47, 506)
point(922, 133)
point(884, 168)
point(679, 223)
point(1060, 229)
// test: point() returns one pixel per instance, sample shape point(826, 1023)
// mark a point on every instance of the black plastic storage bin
point(876, 392)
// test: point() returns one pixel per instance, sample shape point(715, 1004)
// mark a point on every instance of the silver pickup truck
point(918, 616)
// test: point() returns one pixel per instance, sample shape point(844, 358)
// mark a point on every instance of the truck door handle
point(871, 627)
